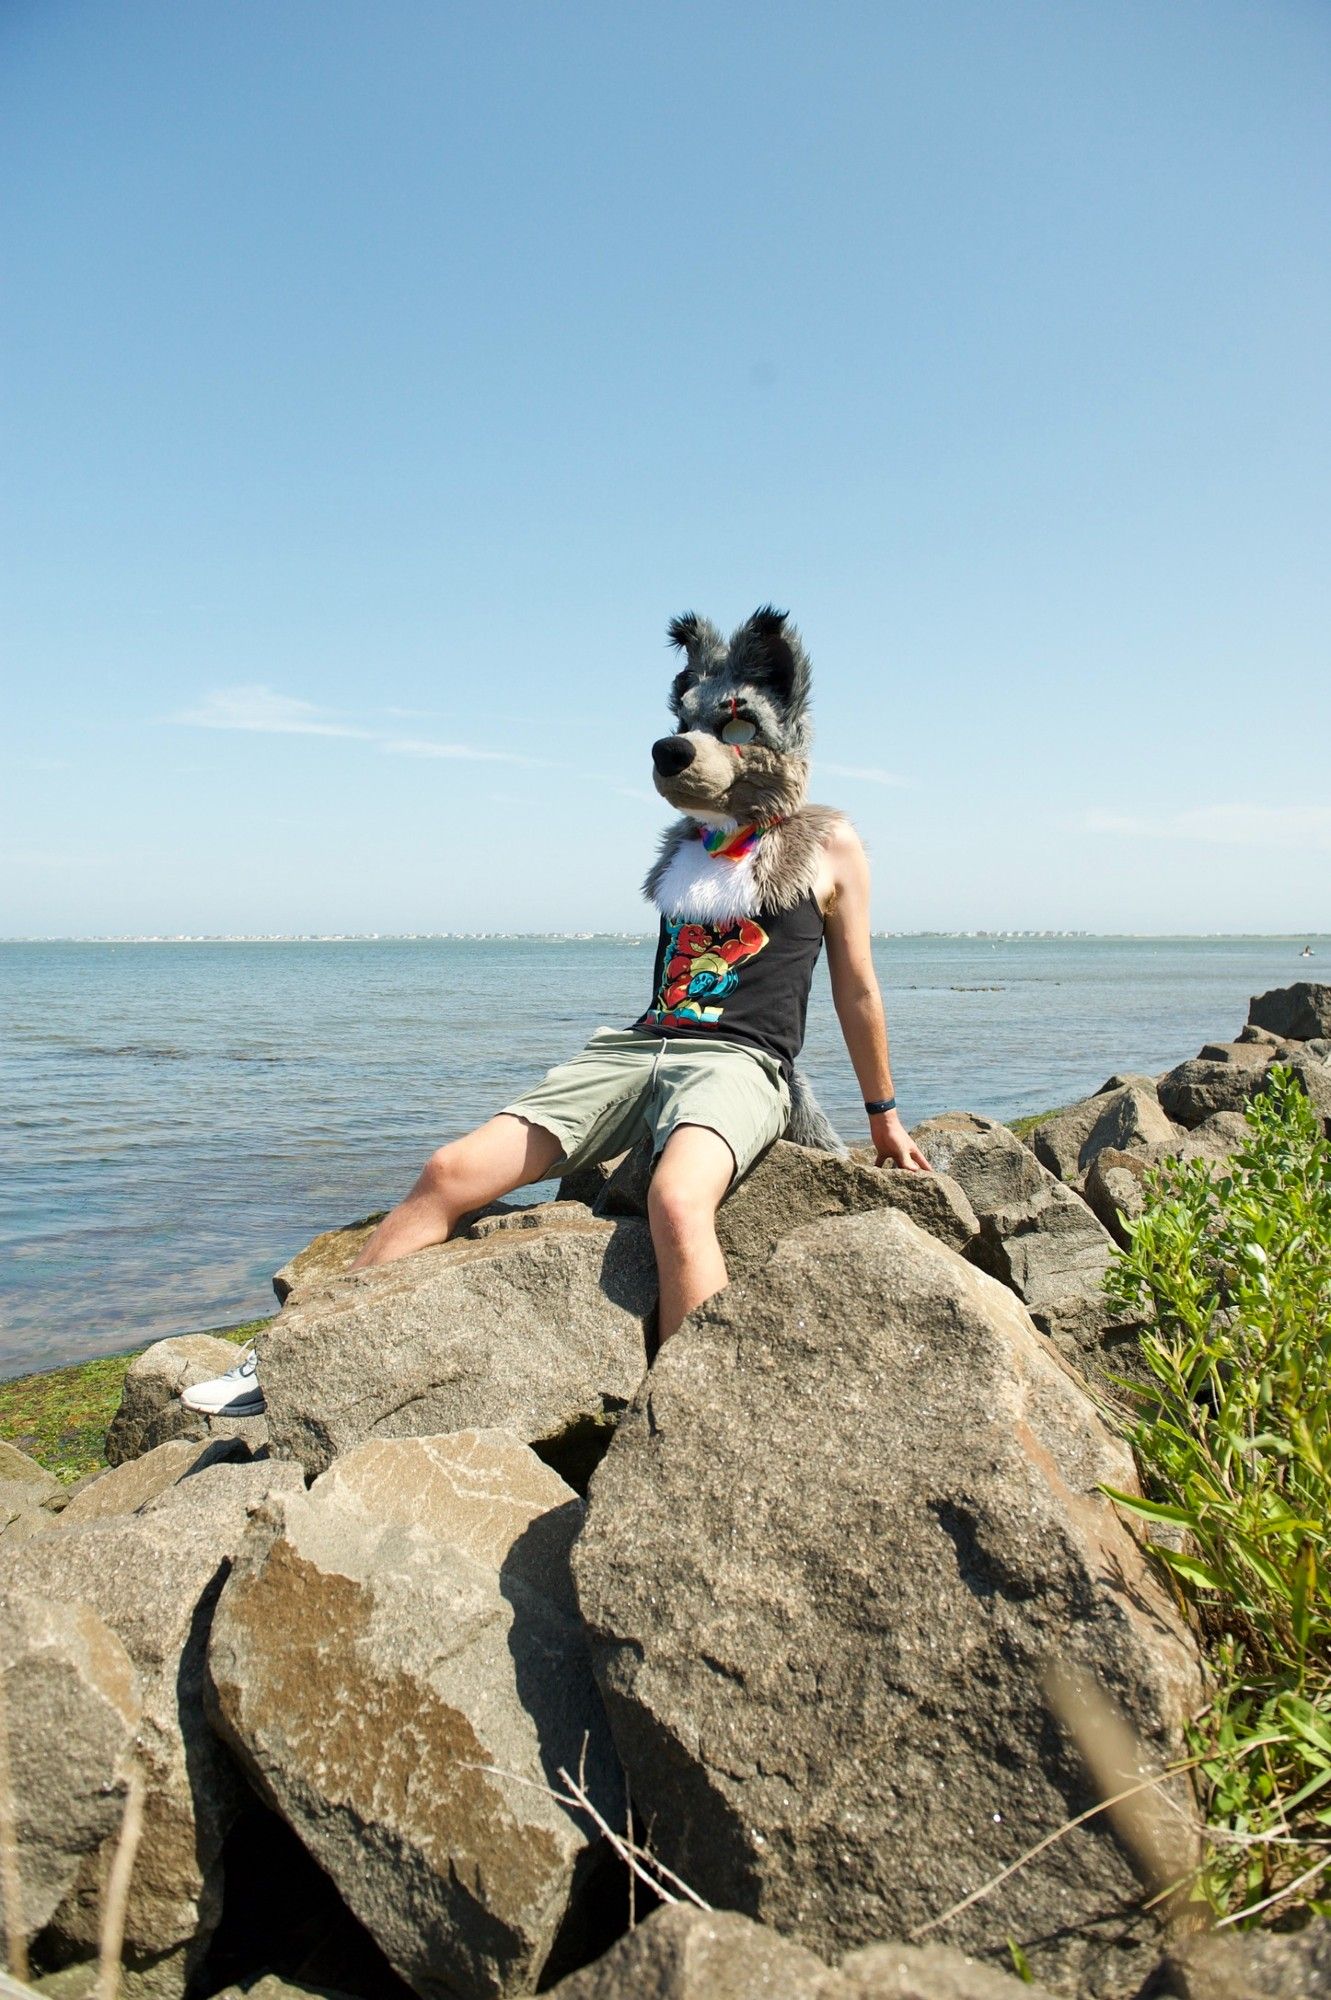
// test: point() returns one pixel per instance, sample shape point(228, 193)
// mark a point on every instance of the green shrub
point(1232, 1278)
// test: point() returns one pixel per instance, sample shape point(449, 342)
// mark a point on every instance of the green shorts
point(627, 1082)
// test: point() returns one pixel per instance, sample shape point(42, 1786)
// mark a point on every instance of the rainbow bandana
point(738, 843)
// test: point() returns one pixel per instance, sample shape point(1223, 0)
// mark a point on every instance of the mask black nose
point(673, 754)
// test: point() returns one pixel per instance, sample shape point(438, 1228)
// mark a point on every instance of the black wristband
point(880, 1104)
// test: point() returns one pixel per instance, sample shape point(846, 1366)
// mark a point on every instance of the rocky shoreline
point(823, 1608)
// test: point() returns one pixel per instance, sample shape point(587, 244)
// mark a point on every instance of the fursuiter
point(737, 768)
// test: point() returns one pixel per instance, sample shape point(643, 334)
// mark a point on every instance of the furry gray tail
point(809, 1124)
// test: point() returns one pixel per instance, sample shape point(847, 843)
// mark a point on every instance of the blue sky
point(378, 381)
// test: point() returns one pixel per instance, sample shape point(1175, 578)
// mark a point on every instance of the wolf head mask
point(741, 750)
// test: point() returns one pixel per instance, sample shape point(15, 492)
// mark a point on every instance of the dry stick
point(628, 1835)
point(639, 1859)
point(1069, 1826)
point(117, 1888)
point(16, 1949)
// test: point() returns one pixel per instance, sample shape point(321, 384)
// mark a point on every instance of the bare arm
point(856, 997)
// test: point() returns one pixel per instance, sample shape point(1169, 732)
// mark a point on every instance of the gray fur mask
point(744, 731)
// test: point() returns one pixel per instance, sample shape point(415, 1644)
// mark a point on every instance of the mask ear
point(701, 644)
point(773, 654)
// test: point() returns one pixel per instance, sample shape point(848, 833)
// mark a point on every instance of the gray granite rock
point(1195, 1090)
point(929, 1972)
point(850, 1521)
point(1115, 1191)
point(151, 1412)
point(398, 1662)
point(153, 1578)
point(1297, 1013)
point(71, 1708)
point(540, 1333)
point(128, 1487)
point(1127, 1119)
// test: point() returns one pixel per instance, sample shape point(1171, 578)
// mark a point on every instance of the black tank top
point(746, 980)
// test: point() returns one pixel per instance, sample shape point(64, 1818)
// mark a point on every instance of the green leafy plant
point(1231, 1277)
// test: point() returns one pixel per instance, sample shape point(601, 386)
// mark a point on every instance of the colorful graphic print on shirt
point(701, 965)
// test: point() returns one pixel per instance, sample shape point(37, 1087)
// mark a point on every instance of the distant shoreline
point(641, 937)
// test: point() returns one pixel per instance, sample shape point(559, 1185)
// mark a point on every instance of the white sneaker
point(235, 1394)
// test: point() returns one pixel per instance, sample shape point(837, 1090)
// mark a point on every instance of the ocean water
point(177, 1119)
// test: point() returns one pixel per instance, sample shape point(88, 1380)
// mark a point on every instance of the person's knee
point(678, 1209)
point(442, 1174)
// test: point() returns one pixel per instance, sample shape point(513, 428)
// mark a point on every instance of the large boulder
point(1036, 1236)
point(793, 1185)
point(151, 1412)
point(1127, 1119)
point(1116, 1190)
point(70, 1709)
point(1297, 1013)
point(26, 1489)
point(153, 1578)
point(398, 1661)
point(1197, 1089)
point(539, 1332)
point(850, 1522)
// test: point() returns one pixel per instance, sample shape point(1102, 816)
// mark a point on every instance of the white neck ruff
point(706, 888)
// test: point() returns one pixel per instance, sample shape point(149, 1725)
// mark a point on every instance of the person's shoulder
point(836, 835)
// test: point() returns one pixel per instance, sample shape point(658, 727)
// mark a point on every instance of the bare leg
point(497, 1157)
point(694, 1171)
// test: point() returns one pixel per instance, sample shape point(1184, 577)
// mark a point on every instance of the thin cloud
point(869, 773)
point(267, 713)
point(1224, 825)
point(263, 711)
point(413, 746)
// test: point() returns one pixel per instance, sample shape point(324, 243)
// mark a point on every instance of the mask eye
point(739, 731)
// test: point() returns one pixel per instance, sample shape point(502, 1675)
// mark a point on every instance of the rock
point(271, 1987)
point(928, 1972)
point(397, 1661)
point(682, 1953)
point(792, 1186)
point(1253, 1965)
point(1036, 1236)
point(1251, 1034)
point(1055, 1261)
point(587, 1183)
point(1298, 1013)
point(625, 1189)
point(1127, 1119)
point(71, 1707)
point(1314, 1079)
point(1236, 1052)
point(151, 1412)
point(128, 1487)
point(326, 1257)
point(545, 1216)
point(1196, 1090)
point(995, 1171)
point(25, 1488)
point(1216, 1138)
point(849, 1521)
point(539, 1332)
point(1114, 1190)
point(153, 1578)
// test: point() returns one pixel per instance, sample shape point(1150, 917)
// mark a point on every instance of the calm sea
point(177, 1119)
